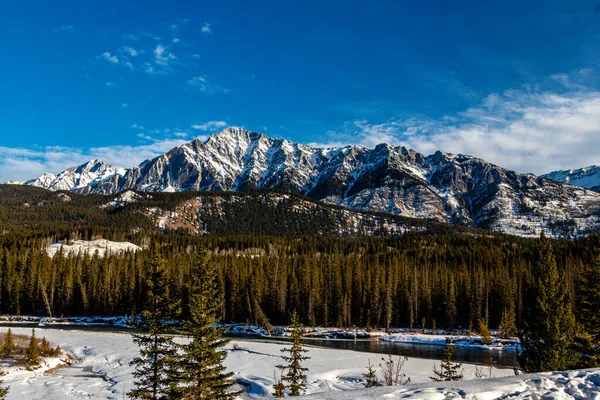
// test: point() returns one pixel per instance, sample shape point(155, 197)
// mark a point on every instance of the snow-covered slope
point(445, 187)
point(588, 177)
point(78, 178)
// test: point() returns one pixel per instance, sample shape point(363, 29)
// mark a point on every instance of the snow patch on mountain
point(454, 188)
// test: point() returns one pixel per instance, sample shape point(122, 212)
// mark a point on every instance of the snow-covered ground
point(83, 246)
point(103, 370)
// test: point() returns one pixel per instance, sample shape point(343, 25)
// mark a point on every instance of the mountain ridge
point(454, 188)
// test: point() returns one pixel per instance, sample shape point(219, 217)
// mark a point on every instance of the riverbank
point(102, 370)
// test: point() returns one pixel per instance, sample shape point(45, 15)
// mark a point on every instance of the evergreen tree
point(370, 376)
point(295, 376)
point(203, 373)
point(549, 325)
point(155, 368)
point(3, 389)
point(508, 326)
point(8, 347)
point(484, 331)
point(32, 355)
point(448, 368)
point(588, 340)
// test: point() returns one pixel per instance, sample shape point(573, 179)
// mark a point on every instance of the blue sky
point(514, 82)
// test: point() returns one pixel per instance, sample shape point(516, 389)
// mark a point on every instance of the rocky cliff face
point(454, 188)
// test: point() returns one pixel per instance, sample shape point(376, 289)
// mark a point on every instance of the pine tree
point(154, 367)
point(588, 339)
point(8, 347)
point(295, 375)
point(448, 368)
point(203, 373)
point(3, 389)
point(508, 326)
point(32, 355)
point(370, 376)
point(484, 331)
point(549, 324)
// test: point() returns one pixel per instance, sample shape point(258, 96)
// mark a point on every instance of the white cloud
point(181, 135)
point(524, 130)
point(176, 40)
point(206, 29)
point(131, 51)
point(65, 28)
point(195, 55)
point(111, 84)
point(201, 84)
point(162, 56)
point(124, 105)
point(210, 126)
point(23, 164)
point(110, 57)
point(129, 36)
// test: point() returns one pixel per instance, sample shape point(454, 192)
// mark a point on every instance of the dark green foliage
point(156, 374)
point(549, 323)
point(294, 371)
point(370, 376)
point(449, 370)
point(32, 352)
point(202, 372)
point(588, 305)
point(3, 390)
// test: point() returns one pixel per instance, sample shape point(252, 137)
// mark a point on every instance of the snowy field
point(103, 372)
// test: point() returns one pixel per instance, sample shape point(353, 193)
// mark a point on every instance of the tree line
point(448, 281)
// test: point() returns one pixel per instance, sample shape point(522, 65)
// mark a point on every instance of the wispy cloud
point(201, 84)
point(111, 84)
point(111, 58)
point(131, 51)
point(124, 105)
point(65, 28)
point(526, 130)
point(23, 163)
point(210, 126)
point(175, 40)
point(206, 29)
point(131, 37)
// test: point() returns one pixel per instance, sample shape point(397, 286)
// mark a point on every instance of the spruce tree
point(449, 370)
point(203, 373)
point(155, 370)
point(549, 324)
point(484, 331)
point(508, 326)
point(8, 347)
point(370, 376)
point(3, 389)
point(32, 355)
point(295, 376)
point(588, 339)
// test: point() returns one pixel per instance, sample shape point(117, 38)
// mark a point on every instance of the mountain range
point(458, 189)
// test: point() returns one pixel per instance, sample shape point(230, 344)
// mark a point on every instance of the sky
point(516, 83)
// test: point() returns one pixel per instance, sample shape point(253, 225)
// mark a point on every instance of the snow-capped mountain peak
point(78, 177)
point(446, 187)
point(588, 177)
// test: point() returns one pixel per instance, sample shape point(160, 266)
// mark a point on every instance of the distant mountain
point(78, 178)
point(588, 177)
point(459, 189)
